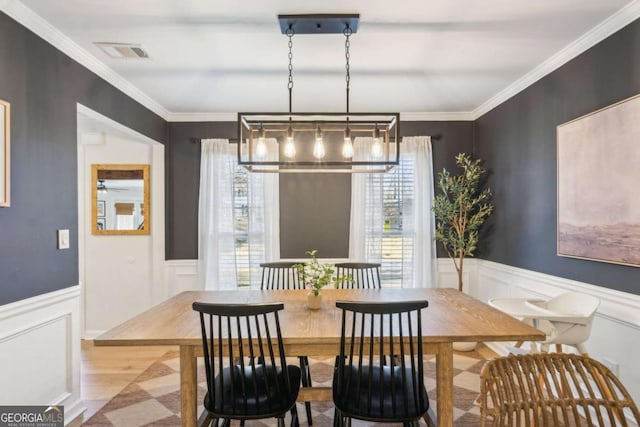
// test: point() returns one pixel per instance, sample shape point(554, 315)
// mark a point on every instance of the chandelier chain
point(290, 33)
point(347, 55)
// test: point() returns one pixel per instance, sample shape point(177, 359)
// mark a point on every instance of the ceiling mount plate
point(319, 23)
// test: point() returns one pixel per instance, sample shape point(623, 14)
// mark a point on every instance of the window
point(235, 219)
point(391, 218)
point(389, 235)
point(248, 229)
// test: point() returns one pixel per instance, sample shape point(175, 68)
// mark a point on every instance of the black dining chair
point(280, 275)
point(283, 275)
point(363, 274)
point(247, 373)
point(364, 388)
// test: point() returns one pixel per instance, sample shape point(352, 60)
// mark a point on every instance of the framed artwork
point(598, 179)
point(101, 208)
point(101, 223)
point(5, 158)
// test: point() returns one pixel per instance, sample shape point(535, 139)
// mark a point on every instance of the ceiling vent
point(123, 50)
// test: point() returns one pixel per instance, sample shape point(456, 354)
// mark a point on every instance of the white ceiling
point(408, 55)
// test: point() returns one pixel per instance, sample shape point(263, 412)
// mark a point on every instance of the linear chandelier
point(318, 142)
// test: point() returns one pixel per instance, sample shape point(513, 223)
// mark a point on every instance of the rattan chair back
point(553, 389)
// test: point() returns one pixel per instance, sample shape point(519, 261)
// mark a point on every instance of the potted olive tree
point(460, 210)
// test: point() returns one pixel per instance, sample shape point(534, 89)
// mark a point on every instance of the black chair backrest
point(364, 274)
point(246, 369)
point(362, 384)
point(280, 275)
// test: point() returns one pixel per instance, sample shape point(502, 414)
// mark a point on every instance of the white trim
point(181, 275)
point(617, 306)
point(614, 23)
point(202, 117)
point(108, 121)
point(407, 117)
point(615, 336)
point(460, 116)
point(34, 22)
point(156, 286)
point(33, 303)
point(54, 316)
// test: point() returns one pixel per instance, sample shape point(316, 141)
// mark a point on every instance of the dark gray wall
point(518, 141)
point(313, 207)
point(182, 177)
point(43, 86)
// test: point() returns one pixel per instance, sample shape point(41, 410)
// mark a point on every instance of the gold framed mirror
point(120, 199)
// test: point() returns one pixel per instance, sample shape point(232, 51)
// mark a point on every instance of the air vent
point(123, 50)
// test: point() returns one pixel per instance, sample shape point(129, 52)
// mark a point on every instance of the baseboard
point(40, 351)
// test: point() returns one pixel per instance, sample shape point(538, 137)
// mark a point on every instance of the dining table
point(451, 316)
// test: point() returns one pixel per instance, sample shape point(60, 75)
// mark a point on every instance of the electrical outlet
point(63, 239)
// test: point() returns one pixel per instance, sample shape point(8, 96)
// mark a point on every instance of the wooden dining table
point(451, 316)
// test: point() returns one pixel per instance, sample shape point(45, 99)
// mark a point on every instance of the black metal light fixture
point(318, 142)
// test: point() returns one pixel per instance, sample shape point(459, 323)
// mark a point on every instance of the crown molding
point(409, 117)
point(437, 116)
point(202, 117)
point(34, 22)
point(615, 22)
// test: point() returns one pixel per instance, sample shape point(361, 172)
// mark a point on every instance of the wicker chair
point(553, 389)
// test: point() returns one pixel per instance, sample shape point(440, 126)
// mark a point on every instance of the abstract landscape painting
point(599, 185)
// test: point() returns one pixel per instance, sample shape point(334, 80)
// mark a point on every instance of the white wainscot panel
point(35, 361)
point(40, 351)
point(615, 336)
point(182, 275)
point(448, 276)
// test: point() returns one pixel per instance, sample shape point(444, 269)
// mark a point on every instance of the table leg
point(444, 384)
point(188, 384)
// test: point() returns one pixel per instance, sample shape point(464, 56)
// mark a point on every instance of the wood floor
point(105, 371)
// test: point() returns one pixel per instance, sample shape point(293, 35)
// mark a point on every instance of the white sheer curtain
point(411, 243)
point(238, 218)
point(425, 261)
point(359, 186)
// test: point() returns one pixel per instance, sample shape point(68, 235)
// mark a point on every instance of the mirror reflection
point(120, 199)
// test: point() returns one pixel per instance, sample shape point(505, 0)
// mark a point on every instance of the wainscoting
point(40, 351)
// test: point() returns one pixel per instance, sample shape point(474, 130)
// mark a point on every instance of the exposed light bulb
point(347, 149)
point(289, 149)
point(289, 145)
point(347, 146)
point(261, 149)
point(318, 149)
point(376, 148)
point(261, 146)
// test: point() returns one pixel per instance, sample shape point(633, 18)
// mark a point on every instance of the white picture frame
point(5, 157)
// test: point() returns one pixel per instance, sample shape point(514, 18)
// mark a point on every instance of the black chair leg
point(295, 421)
point(281, 422)
point(306, 382)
